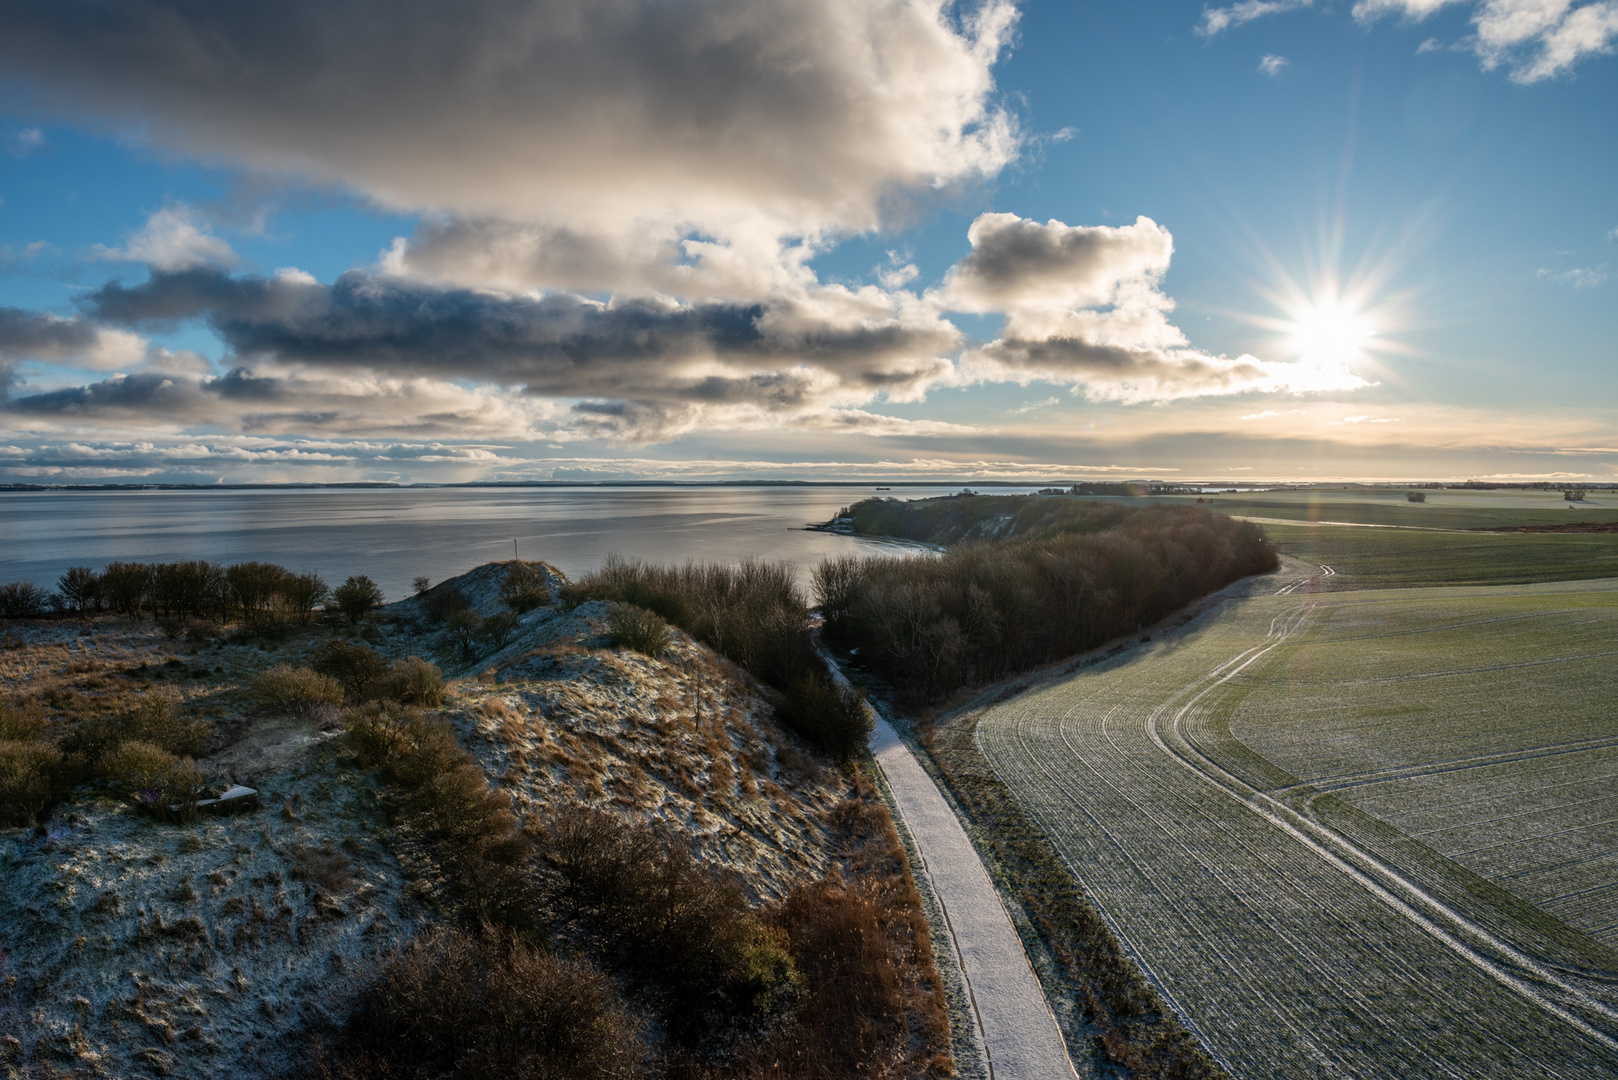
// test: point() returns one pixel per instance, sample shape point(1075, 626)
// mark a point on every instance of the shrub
point(1416, 496)
point(355, 667)
point(31, 778)
point(449, 801)
point(156, 720)
point(356, 596)
point(632, 627)
point(489, 1007)
point(445, 601)
point(832, 717)
point(25, 723)
point(525, 588)
point(21, 600)
point(421, 584)
point(294, 689)
point(499, 628)
point(153, 779)
point(80, 588)
point(681, 928)
point(412, 681)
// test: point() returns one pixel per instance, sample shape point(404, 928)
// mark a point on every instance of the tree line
point(255, 593)
point(1081, 575)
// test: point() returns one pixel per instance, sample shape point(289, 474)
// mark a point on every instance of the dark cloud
point(779, 355)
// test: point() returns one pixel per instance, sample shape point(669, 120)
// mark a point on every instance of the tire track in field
point(1475, 944)
point(1074, 796)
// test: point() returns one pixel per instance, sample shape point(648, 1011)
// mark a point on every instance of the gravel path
point(1014, 1021)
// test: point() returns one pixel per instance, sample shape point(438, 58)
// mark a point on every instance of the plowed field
point(1360, 834)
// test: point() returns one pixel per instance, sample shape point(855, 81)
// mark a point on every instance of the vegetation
point(356, 596)
point(1076, 574)
point(526, 587)
point(294, 689)
point(633, 627)
point(486, 1007)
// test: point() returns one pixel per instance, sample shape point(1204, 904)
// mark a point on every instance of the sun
point(1329, 333)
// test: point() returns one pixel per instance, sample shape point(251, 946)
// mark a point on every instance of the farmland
point(1352, 834)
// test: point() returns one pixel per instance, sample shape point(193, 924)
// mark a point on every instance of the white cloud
point(1272, 65)
point(174, 238)
point(1536, 39)
point(25, 141)
point(1580, 277)
point(1218, 20)
point(1431, 44)
point(1033, 406)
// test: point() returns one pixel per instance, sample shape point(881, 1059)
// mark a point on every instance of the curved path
point(1295, 936)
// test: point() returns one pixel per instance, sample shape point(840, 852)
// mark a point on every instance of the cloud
point(1218, 20)
point(1612, 235)
point(1272, 65)
point(1031, 406)
point(24, 141)
point(29, 335)
point(1083, 308)
point(1580, 277)
point(1536, 39)
point(174, 238)
point(731, 119)
point(1016, 263)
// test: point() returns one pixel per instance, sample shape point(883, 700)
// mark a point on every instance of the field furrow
point(1297, 934)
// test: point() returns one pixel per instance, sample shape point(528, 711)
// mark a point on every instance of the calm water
point(396, 535)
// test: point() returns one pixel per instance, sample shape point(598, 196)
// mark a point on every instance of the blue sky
point(1379, 245)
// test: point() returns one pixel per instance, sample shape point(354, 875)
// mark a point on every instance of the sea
point(395, 535)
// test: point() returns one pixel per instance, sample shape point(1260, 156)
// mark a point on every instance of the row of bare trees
point(255, 593)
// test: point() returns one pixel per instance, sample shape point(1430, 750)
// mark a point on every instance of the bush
point(355, 667)
point(489, 1007)
point(356, 596)
point(448, 800)
point(153, 779)
point(21, 600)
point(525, 588)
point(632, 627)
point(80, 588)
point(446, 601)
point(412, 681)
point(188, 589)
point(682, 929)
point(156, 720)
point(1416, 496)
point(31, 778)
point(294, 689)
point(498, 629)
point(832, 717)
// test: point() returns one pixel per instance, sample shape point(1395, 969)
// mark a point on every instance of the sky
point(808, 239)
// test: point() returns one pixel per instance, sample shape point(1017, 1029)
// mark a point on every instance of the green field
point(1443, 509)
point(1357, 834)
point(1399, 558)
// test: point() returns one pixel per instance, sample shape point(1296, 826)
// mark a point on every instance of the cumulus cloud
point(725, 118)
point(1272, 65)
point(1017, 264)
point(30, 335)
point(174, 238)
point(1083, 308)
